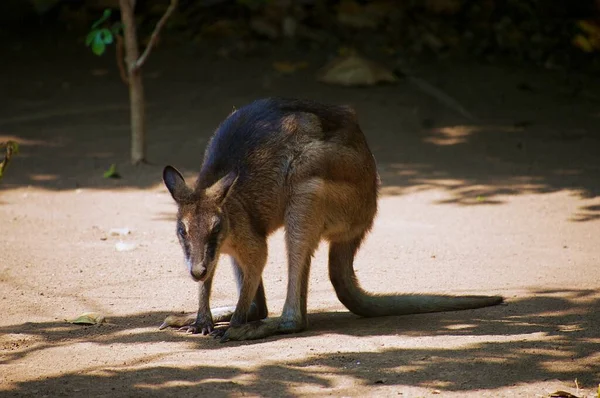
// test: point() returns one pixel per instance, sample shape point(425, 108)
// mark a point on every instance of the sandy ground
point(507, 204)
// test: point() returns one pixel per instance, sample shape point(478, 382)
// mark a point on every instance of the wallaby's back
point(274, 144)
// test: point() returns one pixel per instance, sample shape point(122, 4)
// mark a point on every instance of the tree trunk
point(136, 87)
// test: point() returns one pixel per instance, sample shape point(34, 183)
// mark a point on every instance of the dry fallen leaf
point(354, 70)
point(88, 318)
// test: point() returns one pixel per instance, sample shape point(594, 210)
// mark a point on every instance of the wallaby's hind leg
point(303, 225)
point(303, 233)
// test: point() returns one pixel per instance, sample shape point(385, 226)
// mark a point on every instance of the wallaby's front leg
point(203, 321)
point(250, 264)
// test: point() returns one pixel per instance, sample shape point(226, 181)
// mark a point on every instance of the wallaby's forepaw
point(188, 324)
point(195, 329)
point(247, 331)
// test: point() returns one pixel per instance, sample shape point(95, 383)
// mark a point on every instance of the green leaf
point(98, 46)
point(106, 36)
point(90, 37)
point(104, 17)
point(112, 172)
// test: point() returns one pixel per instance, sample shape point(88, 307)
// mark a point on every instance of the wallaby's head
point(201, 223)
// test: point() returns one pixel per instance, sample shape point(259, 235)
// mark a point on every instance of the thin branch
point(142, 59)
point(435, 92)
point(441, 96)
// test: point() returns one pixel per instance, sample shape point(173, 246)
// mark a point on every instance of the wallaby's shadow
point(517, 342)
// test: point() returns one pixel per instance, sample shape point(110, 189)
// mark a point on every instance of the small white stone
point(125, 246)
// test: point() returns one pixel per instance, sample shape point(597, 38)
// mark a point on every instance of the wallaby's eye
point(181, 229)
point(216, 227)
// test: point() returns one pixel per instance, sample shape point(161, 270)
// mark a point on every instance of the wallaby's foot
point(248, 331)
point(259, 329)
point(191, 324)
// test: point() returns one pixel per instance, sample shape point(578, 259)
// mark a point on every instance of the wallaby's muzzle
point(199, 273)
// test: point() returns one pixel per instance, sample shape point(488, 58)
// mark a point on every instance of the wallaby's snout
point(199, 273)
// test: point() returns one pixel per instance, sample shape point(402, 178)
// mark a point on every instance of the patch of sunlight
point(450, 135)
point(447, 183)
point(572, 365)
point(43, 177)
point(570, 328)
point(407, 368)
point(25, 141)
point(436, 384)
point(460, 326)
point(453, 135)
point(15, 338)
point(134, 332)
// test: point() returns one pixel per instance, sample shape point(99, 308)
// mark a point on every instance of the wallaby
point(294, 163)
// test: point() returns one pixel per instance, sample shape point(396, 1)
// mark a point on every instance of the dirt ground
point(507, 204)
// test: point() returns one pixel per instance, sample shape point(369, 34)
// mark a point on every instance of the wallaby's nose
point(198, 273)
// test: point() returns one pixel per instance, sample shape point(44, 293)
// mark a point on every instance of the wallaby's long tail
point(360, 302)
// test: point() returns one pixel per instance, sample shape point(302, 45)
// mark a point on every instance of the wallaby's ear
point(221, 189)
point(175, 183)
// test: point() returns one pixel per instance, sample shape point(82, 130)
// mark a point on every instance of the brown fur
point(297, 164)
